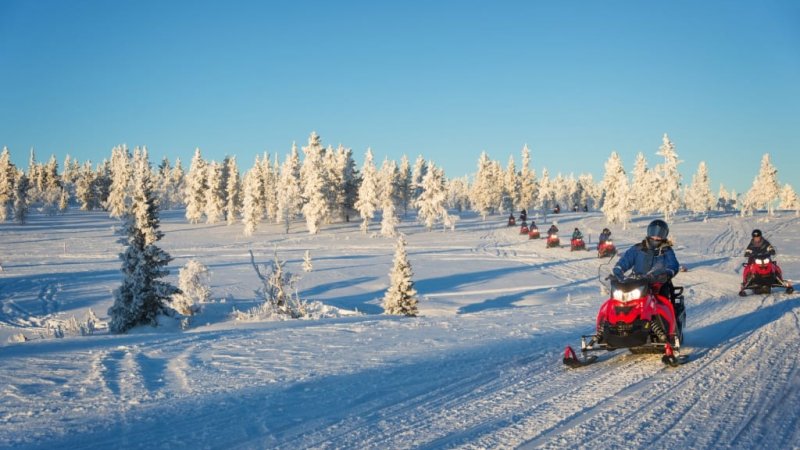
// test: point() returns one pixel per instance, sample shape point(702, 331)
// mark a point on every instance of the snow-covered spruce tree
point(269, 188)
point(405, 183)
point(368, 194)
point(789, 199)
point(278, 292)
point(615, 185)
point(252, 210)
point(669, 179)
point(118, 197)
point(315, 185)
point(51, 187)
point(142, 296)
point(641, 196)
point(417, 174)
point(389, 178)
point(308, 266)
point(215, 193)
point(458, 194)
point(195, 188)
point(511, 186)
point(401, 298)
point(84, 187)
point(161, 181)
point(7, 175)
point(290, 200)
point(765, 189)
point(699, 198)
point(527, 181)
point(352, 181)
point(176, 184)
point(194, 281)
point(335, 173)
point(21, 187)
point(430, 203)
point(486, 191)
point(233, 194)
point(587, 190)
point(545, 196)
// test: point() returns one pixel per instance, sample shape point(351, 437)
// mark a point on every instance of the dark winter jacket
point(660, 262)
point(552, 230)
point(763, 248)
point(604, 237)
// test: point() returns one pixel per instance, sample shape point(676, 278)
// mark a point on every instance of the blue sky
point(449, 79)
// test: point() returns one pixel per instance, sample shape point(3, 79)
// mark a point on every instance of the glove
point(618, 273)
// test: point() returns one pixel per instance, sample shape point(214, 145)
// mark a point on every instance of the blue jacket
point(638, 258)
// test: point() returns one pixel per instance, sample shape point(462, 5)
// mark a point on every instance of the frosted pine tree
point(765, 189)
point(269, 176)
point(417, 174)
point(215, 193)
point(142, 296)
point(84, 187)
point(21, 187)
point(368, 192)
point(315, 184)
point(789, 199)
point(7, 175)
point(486, 190)
point(589, 191)
point(161, 182)
point(642, 191)
point(511, 187)
point(389, 178)
point(405, 183)
point(351, 180)
point(176, 184)
point(252, 210)
point(458, 194)
point(527, 181)
point(194, 282)
point(669, 179)
point(233, 194)
point(290, 199)
point(401, 298)
point(118, 197)
point(308, 266)
point(546, 195)
point(431, 202)
point(615, 185)
point(195, 188)
point(699, 198)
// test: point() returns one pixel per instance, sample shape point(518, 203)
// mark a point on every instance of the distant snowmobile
point(761, 274)
point(533, 233)
point(577, 244)
point(636, 317)
point(524, 228)
point(553, 241)
point(606, 248)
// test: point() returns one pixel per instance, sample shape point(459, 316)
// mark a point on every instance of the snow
point(480, 368)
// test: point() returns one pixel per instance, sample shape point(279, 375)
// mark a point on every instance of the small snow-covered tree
point(368, 192)
point(417, 174)
point(233, 191)
point(389, 179)
point(252, 210)
point(7, 175)
point(511, 186)
point(118, 197)
point(527, 180)
point(142, 296)
point(487, 190)
point(615, 185)
point(405, 183)
point(431, 201)
point(278, 292)
point(401, 297)
point(290, 200)
point(194, 281)
point(669, 179)
point(546, 194)
point(195, 188)
point(215, 193)
point(698, 196)
point(308, 266)
point(21, 186)
point(765, 189)
point(315, 184)
point(789, 199)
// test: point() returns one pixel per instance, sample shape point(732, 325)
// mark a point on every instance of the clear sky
point(575, 80)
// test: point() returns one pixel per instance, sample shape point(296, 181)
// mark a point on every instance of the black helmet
point(756, 233)
point(658, 228)
point(606, 230)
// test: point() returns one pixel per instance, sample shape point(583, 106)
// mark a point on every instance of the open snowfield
point(480, 368)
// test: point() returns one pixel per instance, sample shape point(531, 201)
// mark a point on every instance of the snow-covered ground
point(480, 368)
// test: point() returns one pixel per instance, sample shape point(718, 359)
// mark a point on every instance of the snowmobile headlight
point(622, 296)
point(762, 261)
point(609, 242)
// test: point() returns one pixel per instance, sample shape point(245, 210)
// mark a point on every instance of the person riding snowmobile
point(577, 234)
point(523, 215)
point(605, 235)
point(653, 257)
point(760, 246)
point(552, 230)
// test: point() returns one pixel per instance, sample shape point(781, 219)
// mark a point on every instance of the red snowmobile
point(533, 233)
point(606, 248)
point(512, 221)
point(577, 244)
point(524, 228)
point(761, 273)
point(553, 241)
point(636, 317)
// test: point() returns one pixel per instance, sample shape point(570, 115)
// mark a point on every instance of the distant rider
point(577, 234)
point(605, 235)
point(759, 246)
point(552, 230)
point(523, 215)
